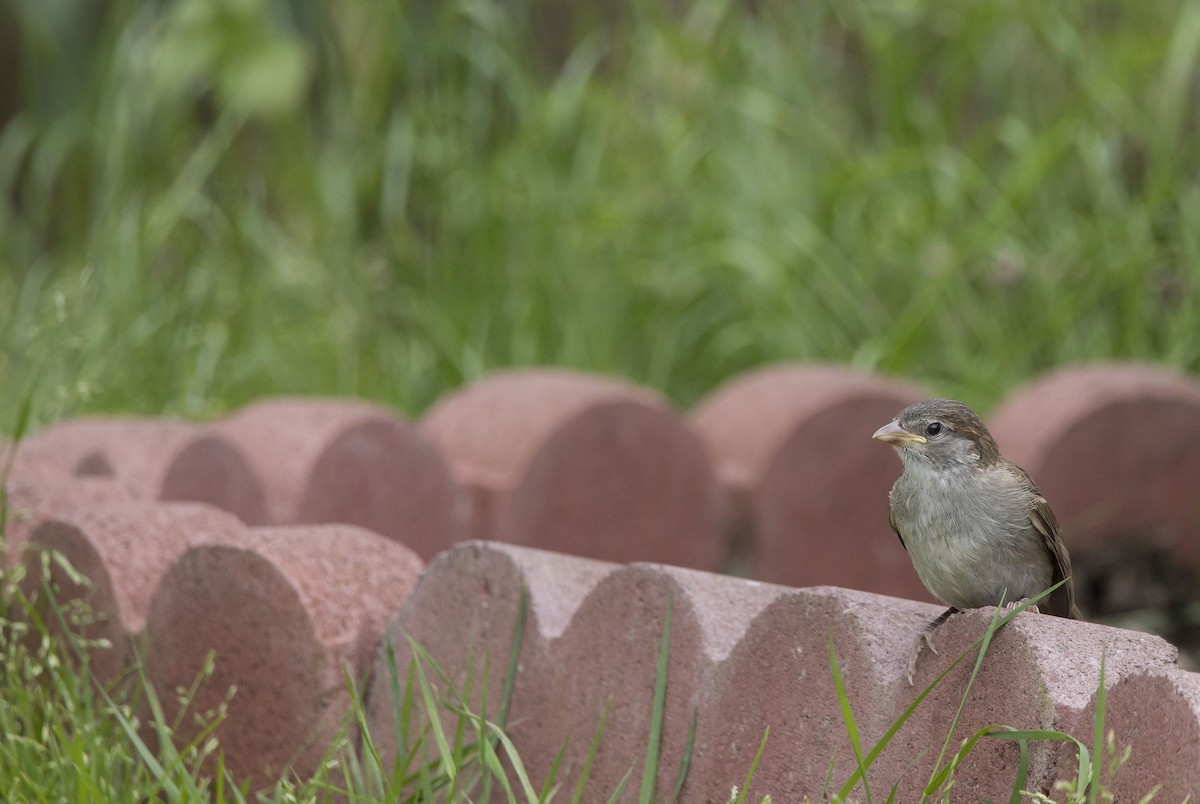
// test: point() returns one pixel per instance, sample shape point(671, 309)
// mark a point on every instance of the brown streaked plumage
point(975, 525)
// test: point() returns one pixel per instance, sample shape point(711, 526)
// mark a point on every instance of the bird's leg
point(926, 638)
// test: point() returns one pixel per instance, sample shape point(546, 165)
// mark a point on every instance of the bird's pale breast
point(969, 535)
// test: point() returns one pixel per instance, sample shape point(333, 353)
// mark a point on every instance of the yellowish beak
point(893, 433)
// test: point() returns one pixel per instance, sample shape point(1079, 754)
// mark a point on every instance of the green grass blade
point(483, 740)
point(589, 760)
point(993, 626)
point(762, 745)
point(1022, 777)
point(551, 782)
point(1085, 757)
point(616, 795)
point(650, 766)
point(432, 710)
point(514, 656)
point(20, 427)
point(366, 746)
point(685, 761)
point(848, 717)
point(944, 773)
point(828, 778)
point(844, 791)
point(514, 760)
point(400, 712)
point(493, 768)
point(172, 791)
point(1093, 783)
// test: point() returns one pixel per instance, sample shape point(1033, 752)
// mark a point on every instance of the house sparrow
point(974, 524)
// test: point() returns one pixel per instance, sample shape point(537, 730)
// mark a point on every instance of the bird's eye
point(934, 428)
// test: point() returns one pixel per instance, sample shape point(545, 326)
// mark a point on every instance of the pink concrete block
point(379, 472)
point(580, 464)
point(745, 656)
point(284, 614)
point(135, 452)
point(1115, 448)
point(607, 658)
point(277, 440)
point(464, 613)
point(320, 461)
point(1040, 673)
point(1156, 715)
point(778, 676)
point(30, 502)
point(593, 634)
point(123, 550)
point(792, 445)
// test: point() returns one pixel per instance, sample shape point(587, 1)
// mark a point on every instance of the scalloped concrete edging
point(601, 468)
point(746, 656)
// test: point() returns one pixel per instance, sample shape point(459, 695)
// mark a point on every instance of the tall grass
point(202, 202)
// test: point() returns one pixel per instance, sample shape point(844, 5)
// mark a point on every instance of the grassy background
point(205, 201)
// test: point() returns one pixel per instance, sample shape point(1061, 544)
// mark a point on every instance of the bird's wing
point(892, 522)
point(1062, 602)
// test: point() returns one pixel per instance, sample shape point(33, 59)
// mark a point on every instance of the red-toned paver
point(32, 501)
point(464, 613)
point(595, 466)
point(379, 472)
point(617, 633)
point(280, 461)
point(746, 656)
point(1115, 448)
point(1040, 673)
point(134, 452)
point(778, 677)
point(285, 614)
point(123, 550)
point(580, 464)
point(792, 445)
point(1156, 716)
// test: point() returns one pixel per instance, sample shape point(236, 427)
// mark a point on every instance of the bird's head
point(940, 432)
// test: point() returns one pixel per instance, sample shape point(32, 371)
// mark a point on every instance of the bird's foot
point(1012, 604)
point(923, 639)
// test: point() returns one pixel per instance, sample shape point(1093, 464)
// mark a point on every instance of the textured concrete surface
point(484, 636)
point(313, 461)
point(746, 656)
point(135, 452)
point(378, 471)
point(584, 465)
point(277, 442)
point(617, 632)
point(1116, 450)
point(31, 501)
point(285, 613)
point(792, 446)
point(1156, 716)
point(123, 550)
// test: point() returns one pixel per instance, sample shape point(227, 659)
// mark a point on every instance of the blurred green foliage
point(204, 201)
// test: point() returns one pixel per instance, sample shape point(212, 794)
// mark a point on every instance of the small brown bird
point(973, 523)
